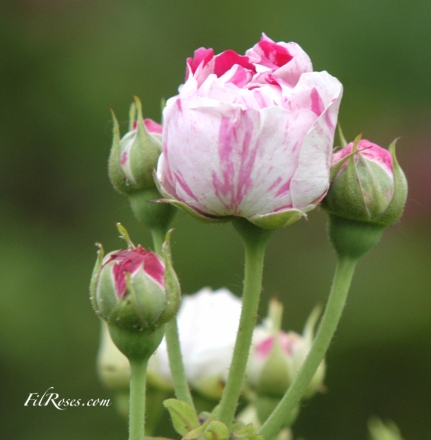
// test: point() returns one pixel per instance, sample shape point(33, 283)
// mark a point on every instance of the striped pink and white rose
point(250, 135)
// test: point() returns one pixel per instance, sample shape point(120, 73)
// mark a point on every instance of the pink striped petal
point(250, 135)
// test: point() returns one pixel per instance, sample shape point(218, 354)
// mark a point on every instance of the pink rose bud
point(368, 185)
point(250, 135)
point(276, 356)
point(134, 157)
point(132, 163)
point(135, 289)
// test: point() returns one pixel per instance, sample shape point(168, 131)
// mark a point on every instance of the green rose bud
point(367, 185)
point(132, 162)
point(136, 293)
point(368, 192)
point(134, 157)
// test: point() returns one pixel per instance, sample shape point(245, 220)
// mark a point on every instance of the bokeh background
point(64, 63)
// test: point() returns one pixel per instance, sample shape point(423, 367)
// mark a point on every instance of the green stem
point(255, 240)
point(334, 308)
point(158, 236)
point(138, 376)
point(154, 416)
point(181, 386)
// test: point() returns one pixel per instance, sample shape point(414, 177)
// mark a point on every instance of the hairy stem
point(138, 370)
point(181, 386)
point(255, 240)
point(334, 308)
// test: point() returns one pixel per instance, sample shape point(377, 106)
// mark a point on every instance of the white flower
point(208, 324)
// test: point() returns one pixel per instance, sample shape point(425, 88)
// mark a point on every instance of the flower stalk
point(138, 376)
point(255, 240)
point(337, 299)
point(176, 364)
point(181, 386)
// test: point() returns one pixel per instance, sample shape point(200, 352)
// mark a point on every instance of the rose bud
point(135, 292)
point(249, 135)
point(132, 162)
point(276, 357)
point(207, 324)
point(367, 185)
point(134, 157)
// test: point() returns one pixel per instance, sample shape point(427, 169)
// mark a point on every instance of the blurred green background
point(64, 63)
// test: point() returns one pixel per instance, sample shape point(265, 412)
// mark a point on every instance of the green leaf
point(247, 433)
point(208, 418)
point(196, 433)
point(183, 416)
point(216, 431)
point(236, 426)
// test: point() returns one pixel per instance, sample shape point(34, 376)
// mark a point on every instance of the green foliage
point(383, 431)
point(183, 416)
